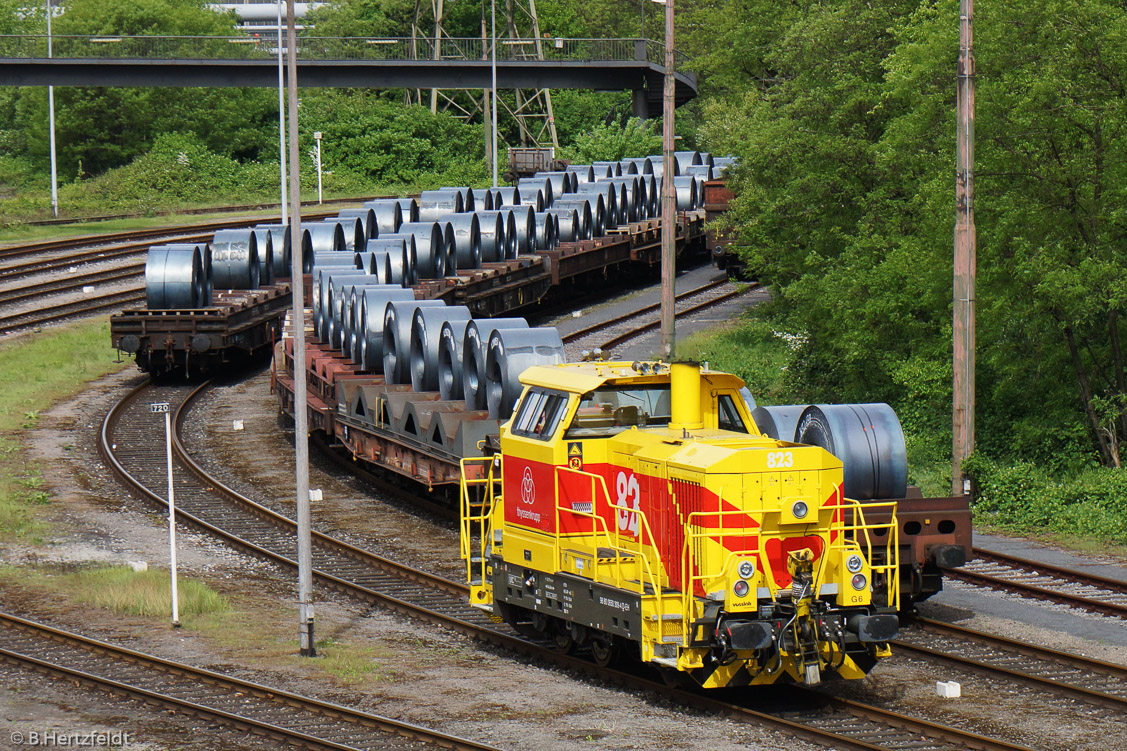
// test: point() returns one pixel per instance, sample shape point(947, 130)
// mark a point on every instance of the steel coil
point(596, 211)
point(686, 159)
point(350, 321)
point(505, 196)
point(408, 210)
point(325, 236)
point(265, 243)
point(426, 330)
point(373, 309)
point(337, 259)
point(687, 196)
point(469, 197)
point(354, 235)
point(450, 341)
point(306, 250)
point(705, 159)
point(435, 203)
point(493, 234)
point(474, 343)
point(234, 259)
point(387, 214)
point(397, 338)
point(562, 182)
point(584, 173)
point(283, 253)
point(636, 166)
point(396, 250)
point(722, 164)
point(701, 171)
point(630, 198)
point(208, 290)
point(547, 231)
point(339, 290)
point(509, 353)
point(430, 248)
point(367, 219)
point(567, 224)
point(321, 285)
point(609, 191)
point(174, 277)
point(410, 274)
point(778, 421)
point(868, 440)
point(530, 195)
point(606, 169)
point(525, 220)
point(543, 184)
point(467, 241)
point(584, 220)
point(376, 263)
point(657, 165)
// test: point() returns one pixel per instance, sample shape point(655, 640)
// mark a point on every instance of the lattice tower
point(518, 37)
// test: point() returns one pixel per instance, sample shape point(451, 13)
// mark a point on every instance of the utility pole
point(965, 256)
point(300, 410)
point(281, 118)
point(668, 198)
point(51, 119)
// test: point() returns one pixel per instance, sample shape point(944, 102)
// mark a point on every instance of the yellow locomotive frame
point(714, 606)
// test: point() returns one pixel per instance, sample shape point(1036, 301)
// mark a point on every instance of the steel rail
point(614, 341)
point(1028, 564)
point(289, 708)
point(488, 632)
point(66, 310)
point(597, 327)
point(1004, 657)
point(175, 233)
point(188, 212)
point(1050, 591)
point(71, 283)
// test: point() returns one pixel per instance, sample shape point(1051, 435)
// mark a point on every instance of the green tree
point(100, 128)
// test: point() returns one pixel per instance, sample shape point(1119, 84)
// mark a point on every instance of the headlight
point(860, 581)
point(854, 563)
point(740, 589)
point(746, 569)
point(799, 509)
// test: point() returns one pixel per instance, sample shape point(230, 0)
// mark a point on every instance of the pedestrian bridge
point(361, 62)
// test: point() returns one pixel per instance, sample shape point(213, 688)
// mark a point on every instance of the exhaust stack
point(685, 387)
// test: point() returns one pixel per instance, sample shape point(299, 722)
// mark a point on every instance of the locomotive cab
point(636, 509)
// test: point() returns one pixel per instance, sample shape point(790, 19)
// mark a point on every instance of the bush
point(1023, 497)
point(611, 142)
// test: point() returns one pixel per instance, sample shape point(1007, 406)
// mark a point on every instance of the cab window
point(539, 414)
point(609, 410)
point(728, 417)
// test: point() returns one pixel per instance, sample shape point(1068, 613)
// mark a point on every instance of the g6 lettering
point(629, 495)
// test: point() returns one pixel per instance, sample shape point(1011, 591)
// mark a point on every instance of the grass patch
point(350, 664)
point(35, 372)
point(121, 589)
point(749, 348)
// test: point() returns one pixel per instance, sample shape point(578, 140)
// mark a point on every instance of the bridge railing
point(253, 47)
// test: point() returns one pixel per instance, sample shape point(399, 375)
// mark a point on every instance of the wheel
point(602, 649)
point(560, 638)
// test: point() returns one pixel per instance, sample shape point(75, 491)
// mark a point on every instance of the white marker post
point(317, 138)
point(159, 408)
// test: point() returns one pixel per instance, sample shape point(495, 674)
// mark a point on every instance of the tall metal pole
point(51, 126)
point(171, 517)
point(301, 415)
point(282, 118)
point(668, 198)
point(965, 256)
point(493, 66)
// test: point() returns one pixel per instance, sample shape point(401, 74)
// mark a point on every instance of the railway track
point(213, 210)
point(131, 443)
point(640, 321)
point(1064, 673)
point(54, 312)
point(264, 710)
point(1095, 594)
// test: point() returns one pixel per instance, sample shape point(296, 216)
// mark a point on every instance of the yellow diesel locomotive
point(634, 509)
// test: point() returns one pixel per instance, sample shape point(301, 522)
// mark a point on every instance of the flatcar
point(635, 509)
